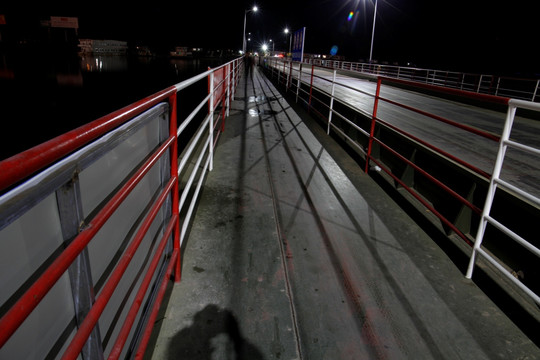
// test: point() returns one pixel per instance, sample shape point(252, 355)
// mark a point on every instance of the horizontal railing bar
point(424, 202)
point(22, 165)
point(444, 120)
point(513, 235)
point(430, 177)
point(190, 117)
point(137, 302)
point(152, 318)
point(187, 218)
point(91, 319)
point(484, 97)
point(358, 128)
point(348, 138)
point(523, 147)
point(193, 144)
point(524, 104)
point(517, 190)
point(193, 173)
point(16, 315)
point(508, 275)
point(437, 150)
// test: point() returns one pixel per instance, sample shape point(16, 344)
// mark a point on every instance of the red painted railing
point(364, 126)
point(15, 170)
point(327, 82)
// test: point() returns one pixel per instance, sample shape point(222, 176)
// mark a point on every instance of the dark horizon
point(486, 38)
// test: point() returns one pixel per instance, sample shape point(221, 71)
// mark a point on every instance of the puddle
point(260, 99)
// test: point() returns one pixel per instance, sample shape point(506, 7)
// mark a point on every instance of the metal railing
point(519, 88)
point(91, 224)
point(497, 182)
point(317, 88)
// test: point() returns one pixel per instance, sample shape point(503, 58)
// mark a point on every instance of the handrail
point(523, 88)
point(22, 165)
point(326, 86)
point(495, 183)
point(19, 167)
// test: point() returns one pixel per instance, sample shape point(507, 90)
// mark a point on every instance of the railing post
point(69, 201)
point(233, 85)
point(311, 87)
point(290, 76)
point(284, 62)
point(535, 90)
point(173, 127)
point(373, 120)
point(299, 81)
point(211, 122)
point(480, 83)
point(228, 71)
point(331, 103)
point(510, 115)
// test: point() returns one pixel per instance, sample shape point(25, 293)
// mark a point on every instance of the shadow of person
point(214, 335)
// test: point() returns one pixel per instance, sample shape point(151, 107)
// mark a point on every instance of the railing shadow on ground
point(293, 87)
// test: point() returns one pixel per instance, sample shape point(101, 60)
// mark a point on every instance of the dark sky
point(473, 35)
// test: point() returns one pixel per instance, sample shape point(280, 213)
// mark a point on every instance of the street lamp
point(254, 9)
point(286, 31)
point(373, 32)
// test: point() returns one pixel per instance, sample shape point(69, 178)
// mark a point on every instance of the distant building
point(181, 51)
point(102, 47)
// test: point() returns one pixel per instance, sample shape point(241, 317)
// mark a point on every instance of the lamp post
point(286, 31)
point(373, 33)
point(254, 9)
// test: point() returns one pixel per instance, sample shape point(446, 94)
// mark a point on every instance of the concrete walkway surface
point(291, 257)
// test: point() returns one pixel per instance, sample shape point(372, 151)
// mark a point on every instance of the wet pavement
point(292, 256)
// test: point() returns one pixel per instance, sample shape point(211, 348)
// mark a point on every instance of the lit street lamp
point(254, 9)
point(286, 31)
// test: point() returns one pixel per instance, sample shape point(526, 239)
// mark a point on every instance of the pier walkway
point(295, 253)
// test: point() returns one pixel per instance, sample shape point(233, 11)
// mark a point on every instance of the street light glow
point(253, 9)
point(265, 47)
point(286, 31)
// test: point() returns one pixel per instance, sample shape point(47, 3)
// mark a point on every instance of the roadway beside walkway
point(291, 256)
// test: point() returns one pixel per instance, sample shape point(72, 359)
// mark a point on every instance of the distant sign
point(298, 45)
point(64, 22)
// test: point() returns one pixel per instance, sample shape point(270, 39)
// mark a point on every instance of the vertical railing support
point(510, 115)
point(373, 120)
point(331, 103)
point(311, 86)
point(299, 83)
point(535, 90)
point(479, 83)
point(211, 121)
point(173, 127)
point(289, 78)
point(228, 75)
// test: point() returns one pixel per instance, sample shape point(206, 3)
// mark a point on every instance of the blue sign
point(298, 44)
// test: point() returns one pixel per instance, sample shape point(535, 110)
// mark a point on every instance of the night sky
point(488, 36)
